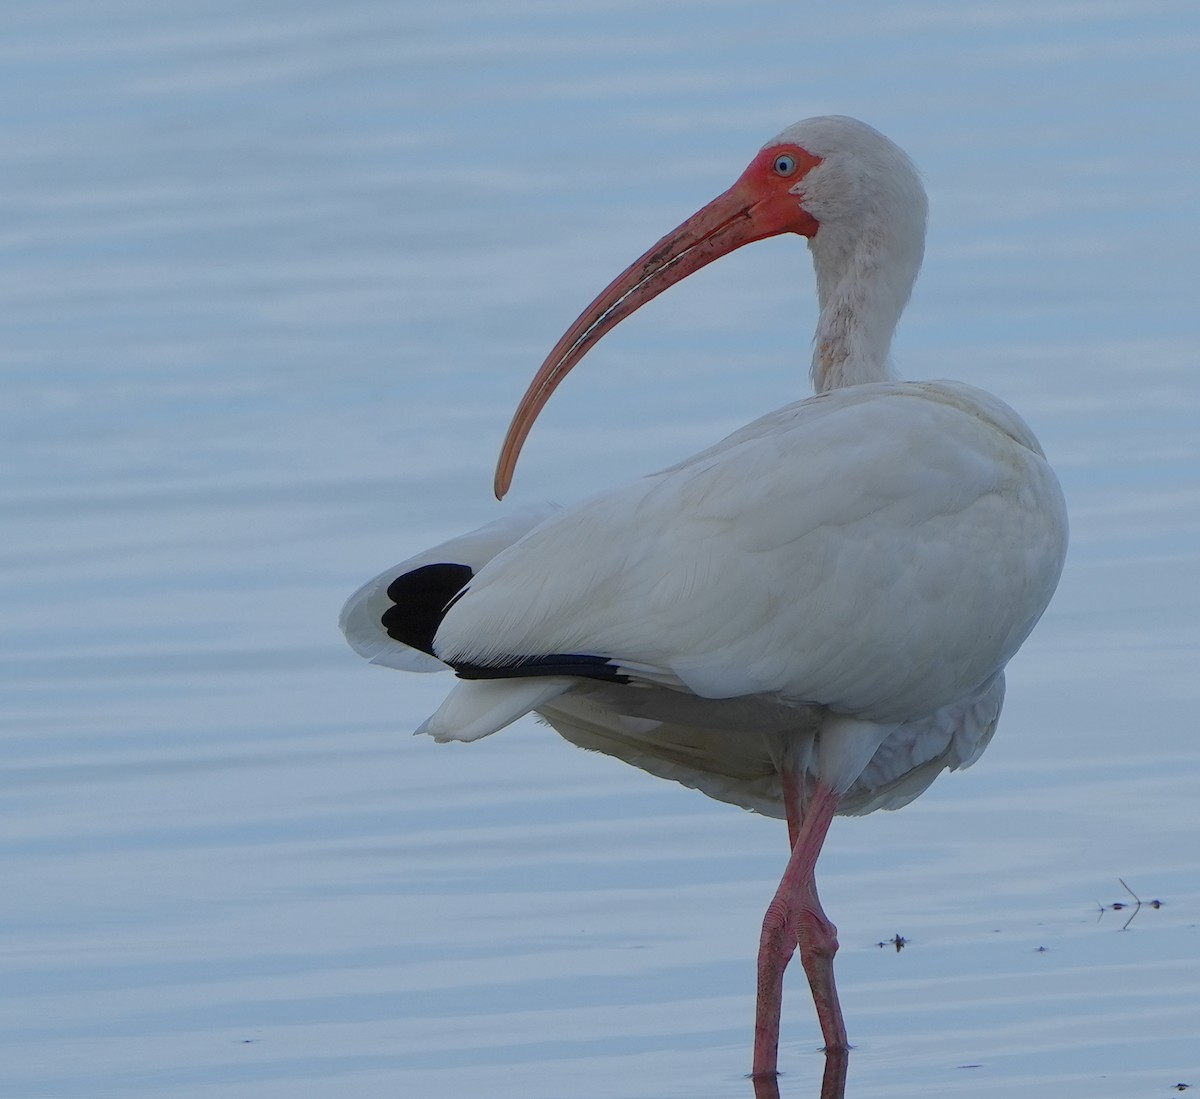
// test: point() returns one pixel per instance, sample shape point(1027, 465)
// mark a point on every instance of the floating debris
point(1120, 906)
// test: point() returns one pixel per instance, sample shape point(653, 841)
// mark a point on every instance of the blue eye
point(785, 164)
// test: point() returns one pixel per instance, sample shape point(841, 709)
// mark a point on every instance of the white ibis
point(811, 617)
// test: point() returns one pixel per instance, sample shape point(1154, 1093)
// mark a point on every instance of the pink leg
point(793, 801)
point(795, 917)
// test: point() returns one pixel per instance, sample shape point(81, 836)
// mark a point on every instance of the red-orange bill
point(753, 208)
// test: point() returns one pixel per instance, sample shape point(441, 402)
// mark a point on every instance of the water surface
point(272, 278)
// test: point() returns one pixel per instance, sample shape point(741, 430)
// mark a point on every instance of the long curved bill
point(741, 215)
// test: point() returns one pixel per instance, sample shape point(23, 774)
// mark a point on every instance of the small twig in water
point(1120, 906)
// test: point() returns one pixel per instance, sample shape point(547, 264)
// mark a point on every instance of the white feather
point(477, 708)
point(744, 769)
point(362, 613)
point(833, 590)
point(905, 557)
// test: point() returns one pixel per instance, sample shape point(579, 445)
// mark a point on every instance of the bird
point(811, 617)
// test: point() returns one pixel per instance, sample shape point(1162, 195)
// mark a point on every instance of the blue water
point(272, 277)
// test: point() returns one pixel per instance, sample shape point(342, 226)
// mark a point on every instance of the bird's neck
point(862, 287)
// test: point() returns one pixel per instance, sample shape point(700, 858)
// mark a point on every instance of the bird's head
point(834, 180)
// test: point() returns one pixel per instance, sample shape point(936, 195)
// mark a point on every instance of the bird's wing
point(881, 550)
point(430, 579)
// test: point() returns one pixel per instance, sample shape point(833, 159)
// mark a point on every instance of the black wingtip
point(421, 599)
point(579, 665)
point(422, 596)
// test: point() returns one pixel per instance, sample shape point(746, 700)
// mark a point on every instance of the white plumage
point(736, 601)
point(818, 607)
point(361, 618)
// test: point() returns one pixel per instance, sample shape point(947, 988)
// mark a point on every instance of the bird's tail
point(478, 707)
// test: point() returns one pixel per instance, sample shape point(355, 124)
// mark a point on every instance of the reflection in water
point(833, 1083)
